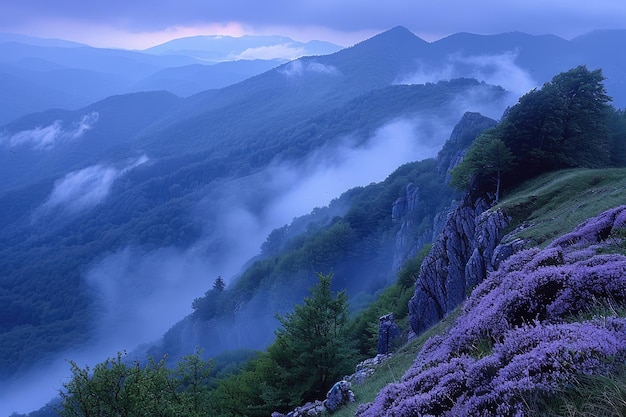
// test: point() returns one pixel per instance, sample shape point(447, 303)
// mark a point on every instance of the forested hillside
point(538, 308)
point(137, 175)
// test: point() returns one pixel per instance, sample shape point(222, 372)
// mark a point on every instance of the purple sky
point(143, 23)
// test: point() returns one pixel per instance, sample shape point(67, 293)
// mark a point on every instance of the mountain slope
point(550, 288)
point(190, 79)
point(53, 143)
point(154, 196)
point(137, 174)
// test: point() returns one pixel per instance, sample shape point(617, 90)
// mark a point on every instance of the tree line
point(567, 123)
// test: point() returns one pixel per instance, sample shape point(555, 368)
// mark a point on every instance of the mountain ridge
point(154, 188)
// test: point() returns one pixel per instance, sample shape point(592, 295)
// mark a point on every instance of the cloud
point(428, 19)
point(300, 67)
point(85, 188)
point(321, 178)
point(281, 51)
point(133, 284)
point(51, 136)
point(499, 69)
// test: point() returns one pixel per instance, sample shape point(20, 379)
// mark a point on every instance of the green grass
point(587, 395)
point(394, 368)
point(555, 203)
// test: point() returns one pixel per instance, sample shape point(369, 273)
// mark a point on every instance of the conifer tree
point(219, 284)
point(313, 349)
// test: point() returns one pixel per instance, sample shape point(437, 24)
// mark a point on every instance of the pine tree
point(219, 284)
point(313, 350)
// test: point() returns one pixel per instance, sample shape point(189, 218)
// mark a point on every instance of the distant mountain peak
point(36, 41)
point(217, 48)
point(399, 33)
point(397, 37)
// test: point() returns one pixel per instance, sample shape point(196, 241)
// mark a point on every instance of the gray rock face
point(459, 259)
point(488, 234)
point(466, 130)
point(388, 331)
point(408, 242)
point(405, 204)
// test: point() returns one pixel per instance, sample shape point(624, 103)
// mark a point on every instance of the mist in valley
point(498, 69)
point(142, 292)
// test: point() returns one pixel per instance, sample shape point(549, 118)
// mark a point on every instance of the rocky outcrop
point(487, 236)
point(408, 239)
point(338, 396)
point(367, 368)
point(459, 259)
point(466, 130)
point(388, 333)
point(310, 409)
point(408, 242)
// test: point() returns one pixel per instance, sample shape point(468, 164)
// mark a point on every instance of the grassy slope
point(548, 206)
point(393, 369)
point(553, 204)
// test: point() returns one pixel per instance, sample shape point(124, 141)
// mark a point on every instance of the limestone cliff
point(412, 235)
point(458, 261)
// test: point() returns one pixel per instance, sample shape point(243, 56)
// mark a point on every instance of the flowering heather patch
point(596, 228)
point(515, 337)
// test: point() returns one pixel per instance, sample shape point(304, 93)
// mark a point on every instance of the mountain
point(33, 40)
point(151, 179)
point(75, 75)
point(228, 48)
point(114, 210)
point(39, 74)
point(190, 79)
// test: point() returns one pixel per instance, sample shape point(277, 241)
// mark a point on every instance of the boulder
point(338, 396)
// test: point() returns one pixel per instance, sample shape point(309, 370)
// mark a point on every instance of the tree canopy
point(118, 388)
point(489, 156)
point(564, 124)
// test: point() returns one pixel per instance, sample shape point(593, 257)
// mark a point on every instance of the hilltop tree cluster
point(565, 124)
